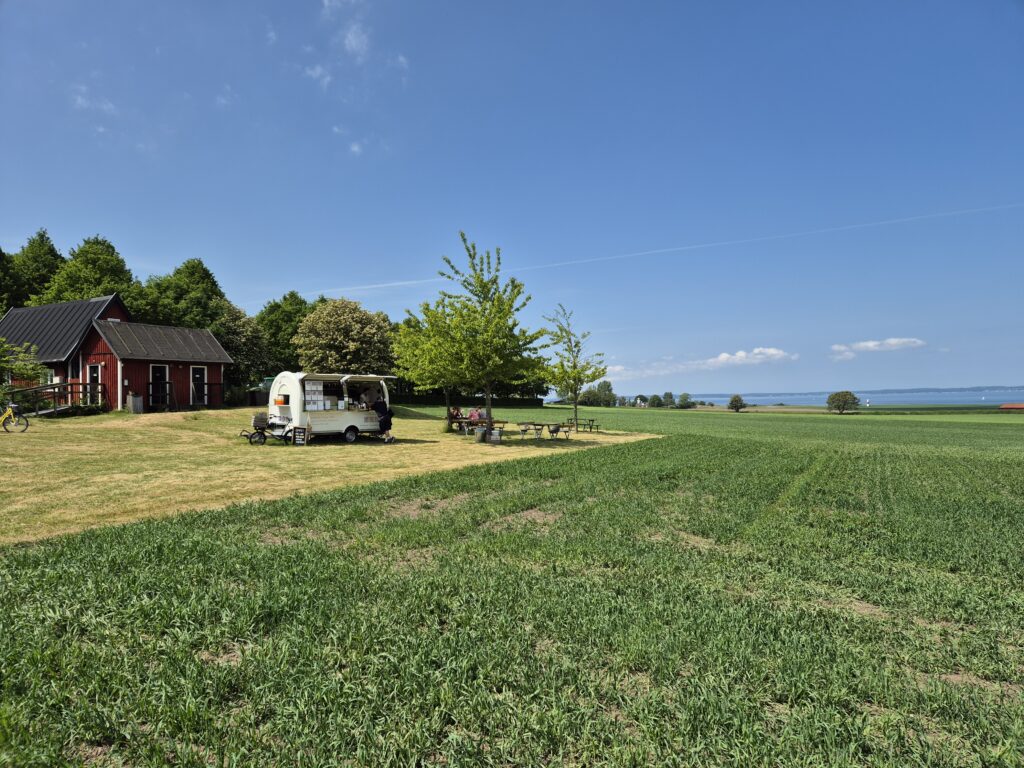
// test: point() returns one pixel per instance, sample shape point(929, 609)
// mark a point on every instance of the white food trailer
point(326, 403)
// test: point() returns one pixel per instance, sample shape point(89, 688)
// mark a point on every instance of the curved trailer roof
point(340, 377)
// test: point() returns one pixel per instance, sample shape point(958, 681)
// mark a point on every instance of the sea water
point(993, 397)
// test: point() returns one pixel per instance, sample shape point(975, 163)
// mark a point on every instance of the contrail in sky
point(697, 246)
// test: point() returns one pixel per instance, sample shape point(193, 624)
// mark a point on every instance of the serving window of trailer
point(362, 394)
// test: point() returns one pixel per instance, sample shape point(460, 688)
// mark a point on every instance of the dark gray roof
point(55, 329)
point(139, 341)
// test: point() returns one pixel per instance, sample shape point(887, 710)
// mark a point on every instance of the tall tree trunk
point(576, 409)
point(448, 406)
point(487, 406)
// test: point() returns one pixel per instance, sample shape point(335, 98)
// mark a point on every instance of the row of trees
point(468, 341)
point(274, 339)
point(669, 400)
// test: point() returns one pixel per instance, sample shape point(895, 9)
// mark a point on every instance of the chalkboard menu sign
point(299, 436)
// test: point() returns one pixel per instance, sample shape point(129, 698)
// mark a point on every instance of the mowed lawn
point(749, 590)
point(65, 475)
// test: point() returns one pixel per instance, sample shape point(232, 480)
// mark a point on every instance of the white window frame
point(88, 382)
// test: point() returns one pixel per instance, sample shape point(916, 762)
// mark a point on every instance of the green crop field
point(750, 589)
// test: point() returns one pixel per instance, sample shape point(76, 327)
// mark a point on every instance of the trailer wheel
point(351, 434)
point(257, 438)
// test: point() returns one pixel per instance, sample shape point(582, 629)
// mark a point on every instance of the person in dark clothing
point(384, 414)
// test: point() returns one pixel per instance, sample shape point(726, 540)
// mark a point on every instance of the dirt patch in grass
point(856, 607)
point(411, 558)
point(968, 679)
point(418, 508)
point(231, 656)
point(529, 517)
point(93, 755)
point(695, 541)
point(283, 535)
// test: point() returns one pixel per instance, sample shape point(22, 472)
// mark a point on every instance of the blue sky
point(329, 146)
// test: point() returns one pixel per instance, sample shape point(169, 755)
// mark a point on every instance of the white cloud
point(357, 41)
point(82, 98)
point(850, 351)
point(226, 97)
point(271, 34)
point(401, 62)
point(320, 74)
point(338, 130)
point(755, 357)
point(356, 148)
point(667, 366)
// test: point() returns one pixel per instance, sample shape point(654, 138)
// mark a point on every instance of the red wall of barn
point(112, 312)
point(96, 352)
point(138, 375)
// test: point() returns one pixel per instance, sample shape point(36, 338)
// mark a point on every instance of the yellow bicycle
point(12, 419)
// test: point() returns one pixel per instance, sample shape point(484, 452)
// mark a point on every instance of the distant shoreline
point(826, 392)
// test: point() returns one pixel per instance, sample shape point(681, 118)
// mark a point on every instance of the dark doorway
point(158, 386)
point(199, 385)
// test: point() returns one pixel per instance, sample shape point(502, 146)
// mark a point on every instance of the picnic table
point(465, 425)
point(587, 424)
point(554, 429)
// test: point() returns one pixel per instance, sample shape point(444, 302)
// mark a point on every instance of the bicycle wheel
point(15, 423)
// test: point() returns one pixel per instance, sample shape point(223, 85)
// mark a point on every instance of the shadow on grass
point(405, 412)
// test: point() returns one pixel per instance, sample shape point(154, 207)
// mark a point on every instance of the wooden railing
point(57, 397)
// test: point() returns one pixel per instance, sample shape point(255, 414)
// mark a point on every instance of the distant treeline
point(288, 333)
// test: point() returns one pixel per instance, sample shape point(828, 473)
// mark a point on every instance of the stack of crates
point(314, 396)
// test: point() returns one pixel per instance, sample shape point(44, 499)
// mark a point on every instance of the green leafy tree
point(425, 350)
point(843, 401)
point(601, 395)
point(621, 400)
point(189, 297)
point(280, 320)
point(489, 344)
point(8, 286)
point(572, 369)
point(33, 267)
point(94, 268)
point(669, 400)
point(685, 401)
point(655, 401)
point(17, 364)
point(340, 336)
point(640, 399)
point(243, 339)
point(736, 403)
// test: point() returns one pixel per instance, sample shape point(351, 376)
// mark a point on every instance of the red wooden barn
point(93, 343)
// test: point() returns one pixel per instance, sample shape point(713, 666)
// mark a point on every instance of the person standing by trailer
point(384, 414)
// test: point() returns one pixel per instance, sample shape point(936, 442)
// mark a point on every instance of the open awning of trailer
point(341, 377)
